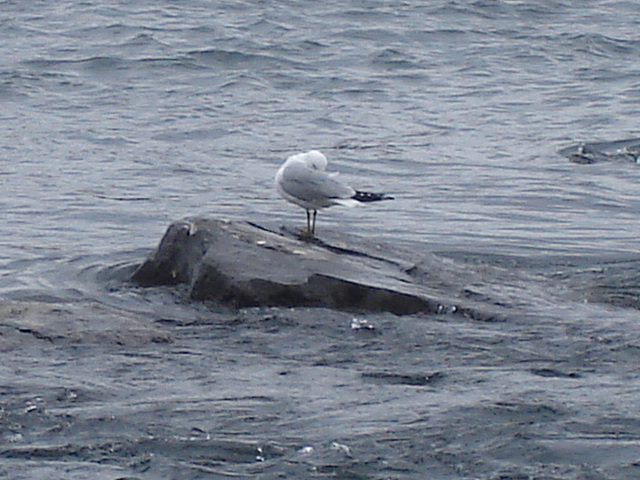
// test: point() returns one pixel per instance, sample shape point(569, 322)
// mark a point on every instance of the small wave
point(228, 57)
point(122, 198)
point(373, 34)
point(191, 134)
point(11, 85)
point(396, 60)
point(94, 63)
point(108, 31)
point(600, 45)
point(235, 59)
point(107, 65)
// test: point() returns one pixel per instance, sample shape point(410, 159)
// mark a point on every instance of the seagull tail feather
point(370, 197)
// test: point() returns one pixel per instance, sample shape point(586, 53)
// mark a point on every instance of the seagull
point(302, 180)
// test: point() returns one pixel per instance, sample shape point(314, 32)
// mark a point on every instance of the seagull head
point(316, 160)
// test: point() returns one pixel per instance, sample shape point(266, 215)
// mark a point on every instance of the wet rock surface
point(246, 265)
point(627, 150)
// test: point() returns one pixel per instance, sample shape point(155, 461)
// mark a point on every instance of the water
point(119, 118)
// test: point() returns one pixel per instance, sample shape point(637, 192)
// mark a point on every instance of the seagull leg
point(313, 227)
point(311, 224)
point(309, 232)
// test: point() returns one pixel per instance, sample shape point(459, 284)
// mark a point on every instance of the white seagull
point(302, 180)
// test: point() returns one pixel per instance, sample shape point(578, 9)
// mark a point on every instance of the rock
point(627, 150)
point(242, 264)
point(245, 265)
point(23, 323)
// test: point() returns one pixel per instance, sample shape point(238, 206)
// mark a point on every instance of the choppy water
point(120, 117)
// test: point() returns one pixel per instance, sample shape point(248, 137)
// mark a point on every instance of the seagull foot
point(306, 235)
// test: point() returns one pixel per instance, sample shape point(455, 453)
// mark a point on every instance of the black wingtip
point(371, 197)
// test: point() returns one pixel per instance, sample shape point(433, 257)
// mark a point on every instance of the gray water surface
point(118, 118)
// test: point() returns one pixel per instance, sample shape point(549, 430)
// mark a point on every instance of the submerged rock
point(627, 150)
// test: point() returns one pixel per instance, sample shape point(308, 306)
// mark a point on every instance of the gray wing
point(313, 185)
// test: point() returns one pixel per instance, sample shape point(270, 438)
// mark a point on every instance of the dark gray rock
point(627, 150)
point(244, 265)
